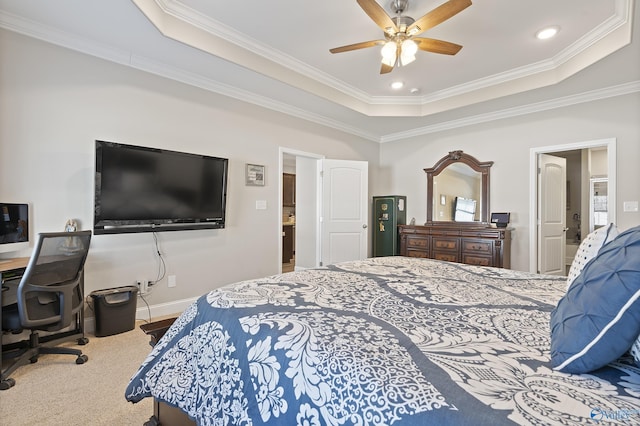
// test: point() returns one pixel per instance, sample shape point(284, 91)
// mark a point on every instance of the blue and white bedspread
point(384, 341)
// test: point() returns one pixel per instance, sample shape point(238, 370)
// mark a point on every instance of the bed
point(383, 341)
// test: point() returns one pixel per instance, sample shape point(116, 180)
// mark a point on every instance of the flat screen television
point(14, 227)
point(141, 189)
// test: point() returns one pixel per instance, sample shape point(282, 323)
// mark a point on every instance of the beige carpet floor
point(57, 391)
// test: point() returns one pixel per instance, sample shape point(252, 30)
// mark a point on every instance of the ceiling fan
point(401, 44)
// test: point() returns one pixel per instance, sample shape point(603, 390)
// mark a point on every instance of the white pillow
point(589, 248)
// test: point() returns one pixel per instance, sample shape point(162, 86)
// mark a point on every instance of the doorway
point(330, 210)
point(585, 161)
point(300, 219)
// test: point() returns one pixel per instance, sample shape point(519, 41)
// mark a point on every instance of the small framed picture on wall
point(254, 175)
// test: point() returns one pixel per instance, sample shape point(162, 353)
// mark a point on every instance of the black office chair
point(49, 298)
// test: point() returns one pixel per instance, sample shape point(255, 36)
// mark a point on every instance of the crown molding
point(65, 39)
point(620, 24)
point(196, 80)
point(609, 36)
point(73, 42)
point(590, 96)
point(219, 29)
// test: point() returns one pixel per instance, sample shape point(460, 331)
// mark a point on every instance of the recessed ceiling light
point(397, 85)
point(546, 33)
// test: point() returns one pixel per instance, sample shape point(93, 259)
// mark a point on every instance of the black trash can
point(115, 310)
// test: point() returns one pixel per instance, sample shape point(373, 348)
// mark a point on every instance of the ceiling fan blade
point(437, 46)
point(385, 69)
point(379, 16)
point(357, 46)
point(438, 15)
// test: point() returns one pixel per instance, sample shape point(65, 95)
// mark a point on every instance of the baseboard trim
point(163, 309)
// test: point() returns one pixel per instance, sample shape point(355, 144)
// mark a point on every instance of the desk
point(10, 273)
point(11, 264)
point(9, 268)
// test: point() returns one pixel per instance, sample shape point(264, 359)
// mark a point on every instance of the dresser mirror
point(458, 190)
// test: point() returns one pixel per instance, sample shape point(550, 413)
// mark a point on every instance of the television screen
point(140, 189)
point(14, 227)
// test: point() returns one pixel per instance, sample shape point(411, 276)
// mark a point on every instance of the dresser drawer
point(477, 246)
point(471, 259)
point(418, 243)
point(417, 253)
point(445, 244)
point(449, 257)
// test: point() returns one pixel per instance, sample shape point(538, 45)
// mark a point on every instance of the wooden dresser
point(484, 246)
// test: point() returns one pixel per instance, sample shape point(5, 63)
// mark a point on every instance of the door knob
point(364, 226)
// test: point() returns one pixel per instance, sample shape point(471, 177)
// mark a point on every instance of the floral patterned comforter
point(384, 341)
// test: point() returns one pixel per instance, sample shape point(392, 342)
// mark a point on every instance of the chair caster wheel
point(83, 341)
point(7, 384)
point(82, 359)
point(34, 359)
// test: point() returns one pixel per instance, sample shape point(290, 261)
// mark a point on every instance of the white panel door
point(344, 210)
point(552, 214)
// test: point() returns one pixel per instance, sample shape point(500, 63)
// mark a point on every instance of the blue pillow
point(598, 319)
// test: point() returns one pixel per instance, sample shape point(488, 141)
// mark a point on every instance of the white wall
point(55, 102)
point(507, 142)
point(598, 163)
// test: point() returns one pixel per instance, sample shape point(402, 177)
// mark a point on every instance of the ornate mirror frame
point(474, 164)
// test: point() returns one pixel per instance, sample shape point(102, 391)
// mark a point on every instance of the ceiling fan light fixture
point(408, 51)
point(398, 46)
point(388, 52)
point(406, 59)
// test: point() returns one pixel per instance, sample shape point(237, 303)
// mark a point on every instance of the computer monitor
point(14, 227)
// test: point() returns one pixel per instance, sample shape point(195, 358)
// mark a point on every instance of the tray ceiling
point(276, 54)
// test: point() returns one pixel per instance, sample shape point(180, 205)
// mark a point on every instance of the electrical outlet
point(142, 287)
point(171, 281)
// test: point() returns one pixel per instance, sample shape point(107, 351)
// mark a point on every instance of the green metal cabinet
point(388, 212)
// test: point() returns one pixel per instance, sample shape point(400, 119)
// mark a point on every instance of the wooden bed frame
point(164, 414)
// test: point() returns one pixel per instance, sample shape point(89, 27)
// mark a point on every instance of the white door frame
point(609, 143)
point(318, 190)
